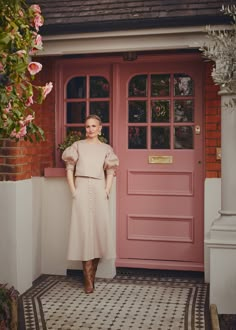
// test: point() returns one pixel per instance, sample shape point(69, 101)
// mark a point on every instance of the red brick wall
point(212, 126)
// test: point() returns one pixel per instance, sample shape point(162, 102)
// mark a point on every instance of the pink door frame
point(160, 206)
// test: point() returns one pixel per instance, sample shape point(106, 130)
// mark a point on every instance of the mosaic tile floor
point(134, 299)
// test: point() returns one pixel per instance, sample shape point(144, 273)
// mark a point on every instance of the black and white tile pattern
point(132, 300)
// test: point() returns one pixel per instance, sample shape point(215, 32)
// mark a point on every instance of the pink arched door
point(160, 185)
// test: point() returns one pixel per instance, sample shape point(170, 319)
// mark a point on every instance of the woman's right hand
point(73, 192)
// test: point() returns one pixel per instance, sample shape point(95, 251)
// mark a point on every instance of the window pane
point(183, 137)
point(75, 112)
point(76, 131)
point(160, 85)
point(183, 85)
point(183, 111)
point(137, 138)
point(138, 86)
point(160, 111)
point(99, 87)
point(76, 88)
point(137, 112)
point(100, 109)
point(160, 137)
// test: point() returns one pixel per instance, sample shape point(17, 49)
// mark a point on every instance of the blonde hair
point(94, 117)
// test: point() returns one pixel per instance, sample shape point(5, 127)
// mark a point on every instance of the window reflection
point(138, 86)
point(99, 87)
point(100, 109)
point(79, 131)
point(160, 85)
point(160, 137)
point(183, 138)
point(75, 112)
point(137, 111)
point(183, 85)
point(160, 111)
point(183, 111)
point(76, 88)
point(137, 138)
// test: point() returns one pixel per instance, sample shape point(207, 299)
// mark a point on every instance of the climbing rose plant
point(19, 41)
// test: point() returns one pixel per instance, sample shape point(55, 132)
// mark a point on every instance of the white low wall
point(16, 234)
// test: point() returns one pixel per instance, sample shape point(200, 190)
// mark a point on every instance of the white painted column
point(16, 242)
point(222, 236)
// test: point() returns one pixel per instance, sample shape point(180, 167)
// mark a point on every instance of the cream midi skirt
point(91, 233)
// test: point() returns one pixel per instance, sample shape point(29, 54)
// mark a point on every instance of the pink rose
point(35, 9)
point(8, 108)
point(37, 44)
point(22, 132)
point(9, 89)
point(34, 67)
point(29, 101)
point(38, 41)
point(47, 89)
point(21, 52)
point(28, 119)
point(38, 21)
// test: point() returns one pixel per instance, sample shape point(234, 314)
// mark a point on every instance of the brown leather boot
point(88, 271)
point(95, 266)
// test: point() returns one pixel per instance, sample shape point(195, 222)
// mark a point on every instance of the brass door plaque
point(160, 159)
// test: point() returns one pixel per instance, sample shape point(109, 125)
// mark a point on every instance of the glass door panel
point(137, 111)
point(75, 112)
point(100, 109)
point(183, 85)
point(161, 101)
point(137, 138)
point(160, 137)
point(183, 137)
point(183, 111)
point(76, 88)
point(99, 87)
point(95, 99)
point(160, 85)
point(160, 111)
point(138, 86)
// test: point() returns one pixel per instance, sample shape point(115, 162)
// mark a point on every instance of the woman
point(90, 168)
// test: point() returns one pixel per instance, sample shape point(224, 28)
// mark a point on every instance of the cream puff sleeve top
point(90, 159)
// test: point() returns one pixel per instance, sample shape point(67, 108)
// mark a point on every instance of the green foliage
point(19, 39)
point(6, 297)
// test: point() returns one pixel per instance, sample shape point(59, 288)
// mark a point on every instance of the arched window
point(87, 95)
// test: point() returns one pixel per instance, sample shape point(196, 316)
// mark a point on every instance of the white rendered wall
point(37, 226)
point(16, 234)
point(212, 205)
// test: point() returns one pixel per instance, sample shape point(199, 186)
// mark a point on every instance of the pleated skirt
point(91, 231)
